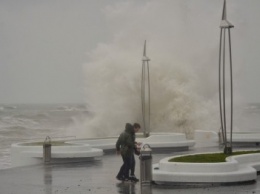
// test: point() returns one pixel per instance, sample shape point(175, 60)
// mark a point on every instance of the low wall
point(205, 138)
point(105, 144)
point(23, 154)
point(167, 140)
point(242, 168)
point(29, 154)
point(247, 159)
point(155, 140)
point(168, 137)
point(184, 167)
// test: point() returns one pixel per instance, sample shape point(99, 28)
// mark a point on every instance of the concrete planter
point(236, 169)
point(23, 154)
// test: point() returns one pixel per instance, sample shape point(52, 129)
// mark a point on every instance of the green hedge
point(209, 158)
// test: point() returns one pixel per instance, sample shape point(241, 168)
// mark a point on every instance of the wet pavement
point(98, 177)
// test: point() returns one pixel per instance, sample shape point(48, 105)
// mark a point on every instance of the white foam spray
point(182, 43)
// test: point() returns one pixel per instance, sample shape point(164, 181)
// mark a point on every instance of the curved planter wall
point(23, 154)
point(28, 154)
point(155, 140)
point(242, 168)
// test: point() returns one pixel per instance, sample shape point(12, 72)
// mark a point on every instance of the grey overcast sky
point(44, 44)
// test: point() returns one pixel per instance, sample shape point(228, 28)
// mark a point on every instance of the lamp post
point(145, 93)
point(225, 26)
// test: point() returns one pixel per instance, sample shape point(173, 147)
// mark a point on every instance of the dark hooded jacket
point(126, 143)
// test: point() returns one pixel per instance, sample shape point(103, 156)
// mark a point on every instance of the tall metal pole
point(225, 25)
point(145, 92)
point(231, 88)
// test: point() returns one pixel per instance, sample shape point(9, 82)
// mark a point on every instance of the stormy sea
point(33, 122)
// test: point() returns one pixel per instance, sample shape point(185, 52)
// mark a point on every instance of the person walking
point(136, 151)
point(125, 146)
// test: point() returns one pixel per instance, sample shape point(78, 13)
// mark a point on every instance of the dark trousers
point(124, 170)
point(132, 168)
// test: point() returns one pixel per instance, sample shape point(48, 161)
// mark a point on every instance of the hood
point(129, 128)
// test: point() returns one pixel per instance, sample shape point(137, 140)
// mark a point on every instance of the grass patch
point(53, 143)
point(209, 158)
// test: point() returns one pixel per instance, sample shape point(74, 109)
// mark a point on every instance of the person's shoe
point(133, 178)
point(120, 178)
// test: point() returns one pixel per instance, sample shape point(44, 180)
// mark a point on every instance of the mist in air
point(182, 43)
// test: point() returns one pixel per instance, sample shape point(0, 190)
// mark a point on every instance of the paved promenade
point(98, 177)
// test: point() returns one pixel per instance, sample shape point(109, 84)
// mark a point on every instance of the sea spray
point(183, 70)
